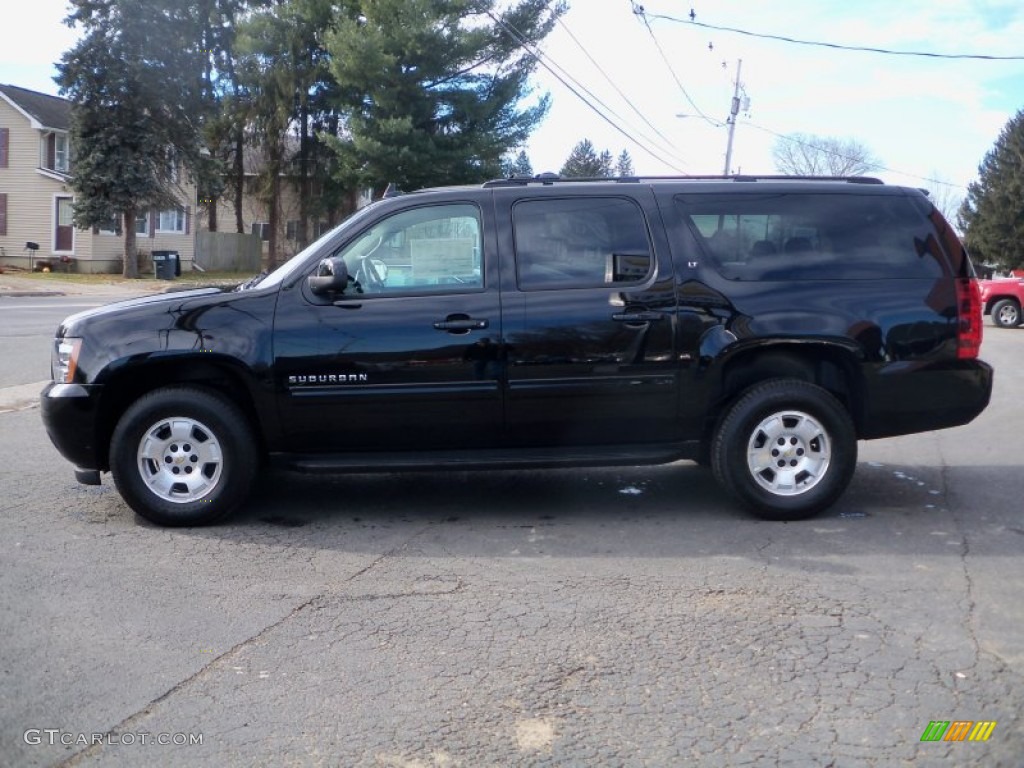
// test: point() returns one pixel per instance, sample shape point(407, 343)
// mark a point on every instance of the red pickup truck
point(1003, 300)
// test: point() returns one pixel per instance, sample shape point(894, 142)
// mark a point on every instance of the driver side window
point(430, 249)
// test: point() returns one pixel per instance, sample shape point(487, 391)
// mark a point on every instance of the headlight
point(65, 360)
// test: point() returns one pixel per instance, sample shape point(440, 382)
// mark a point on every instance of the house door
point(64, 232)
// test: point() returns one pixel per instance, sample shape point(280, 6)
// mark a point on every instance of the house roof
point(43, 111)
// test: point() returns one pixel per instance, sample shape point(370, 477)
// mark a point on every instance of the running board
point(505, 458)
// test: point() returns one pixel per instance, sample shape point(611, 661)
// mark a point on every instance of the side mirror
point(331, 277)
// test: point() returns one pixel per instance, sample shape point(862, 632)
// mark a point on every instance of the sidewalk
point(15, 284)
point(52, 285)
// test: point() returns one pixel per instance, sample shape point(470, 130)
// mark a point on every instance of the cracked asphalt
point(621, 617)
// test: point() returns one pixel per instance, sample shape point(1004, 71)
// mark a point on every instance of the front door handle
point(460, 324)
point(637, 317)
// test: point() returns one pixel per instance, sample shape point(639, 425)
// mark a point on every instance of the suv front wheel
point(183, 456)
point(785, 448)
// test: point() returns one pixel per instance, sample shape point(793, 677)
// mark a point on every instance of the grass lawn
point(187, 279)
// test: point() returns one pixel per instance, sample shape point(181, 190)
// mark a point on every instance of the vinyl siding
point(31, 210)
point(30, 196)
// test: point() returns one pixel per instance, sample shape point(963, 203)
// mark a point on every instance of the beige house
point(36, 198)
point(256, 214)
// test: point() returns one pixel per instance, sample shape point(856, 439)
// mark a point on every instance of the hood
point(144, 304)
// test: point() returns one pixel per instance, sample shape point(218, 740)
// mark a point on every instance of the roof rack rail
point(780, 177)
point(554, 178)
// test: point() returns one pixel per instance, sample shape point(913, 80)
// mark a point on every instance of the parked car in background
point(1003, 299)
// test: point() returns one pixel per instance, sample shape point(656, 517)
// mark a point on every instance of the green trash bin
point(166, 265)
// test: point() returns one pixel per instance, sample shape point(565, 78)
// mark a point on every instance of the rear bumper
point(70, 414)
point(905, 398)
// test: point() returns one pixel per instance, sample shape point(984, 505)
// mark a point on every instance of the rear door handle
point(637, 317)
point(460, 324)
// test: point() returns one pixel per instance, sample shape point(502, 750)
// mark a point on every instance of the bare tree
point(946, 196)
point(800, 154)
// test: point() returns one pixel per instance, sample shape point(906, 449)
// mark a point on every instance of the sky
point(927, 119)
point(661, 86)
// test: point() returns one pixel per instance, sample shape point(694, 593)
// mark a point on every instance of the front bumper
point(71, 417)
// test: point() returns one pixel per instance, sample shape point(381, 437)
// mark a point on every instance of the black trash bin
point(166, 264)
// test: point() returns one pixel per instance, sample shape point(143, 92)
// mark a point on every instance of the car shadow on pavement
point(664, 511)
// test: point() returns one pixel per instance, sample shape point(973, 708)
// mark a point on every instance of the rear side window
point(584, 242)
point(814, 237)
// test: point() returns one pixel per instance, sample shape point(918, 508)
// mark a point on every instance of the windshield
point(296, 262)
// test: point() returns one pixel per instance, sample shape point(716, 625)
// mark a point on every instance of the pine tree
point(992, 215)
point(222, 172)
point(433, 88)
point(265, 79)
point(584, 162)
point(518, 166)
point(624, 165)
point(135, 80)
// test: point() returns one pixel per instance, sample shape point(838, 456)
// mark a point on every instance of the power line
point(826, 150)
point(540, 57)
point(638, 10)
point(836, 46)
point(618, 90)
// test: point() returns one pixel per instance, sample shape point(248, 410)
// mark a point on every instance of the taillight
point(968, 336)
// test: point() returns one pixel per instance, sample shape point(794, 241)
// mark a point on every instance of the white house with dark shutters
point(36, 198)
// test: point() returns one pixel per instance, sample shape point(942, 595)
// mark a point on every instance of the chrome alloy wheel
point(1008, 315)
point(180, 459)
point(788, 453)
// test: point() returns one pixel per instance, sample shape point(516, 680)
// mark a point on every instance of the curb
point(21, 396)
point(25, 294)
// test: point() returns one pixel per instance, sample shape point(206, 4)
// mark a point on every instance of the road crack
point(133, 720)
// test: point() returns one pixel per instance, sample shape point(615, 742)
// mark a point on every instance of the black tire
point(703, 459)
point(1006, 313)
point(183, 456)
point(786, 449)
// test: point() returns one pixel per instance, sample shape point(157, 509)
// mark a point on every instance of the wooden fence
point(228, 252)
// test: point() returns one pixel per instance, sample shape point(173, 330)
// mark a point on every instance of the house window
point(261, 229)
point(112, 226)
point(55, 153)
point(61, 153)
point(172, 221)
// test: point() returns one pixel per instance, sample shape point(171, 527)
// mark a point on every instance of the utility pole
point(733, 111)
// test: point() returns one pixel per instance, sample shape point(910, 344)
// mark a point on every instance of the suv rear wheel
point(785, 448)
point(183, 456)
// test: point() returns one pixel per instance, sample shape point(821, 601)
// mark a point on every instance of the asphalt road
point(589, 617)
point(27, 324)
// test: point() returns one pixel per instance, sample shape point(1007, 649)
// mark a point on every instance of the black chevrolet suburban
point(758, 325)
